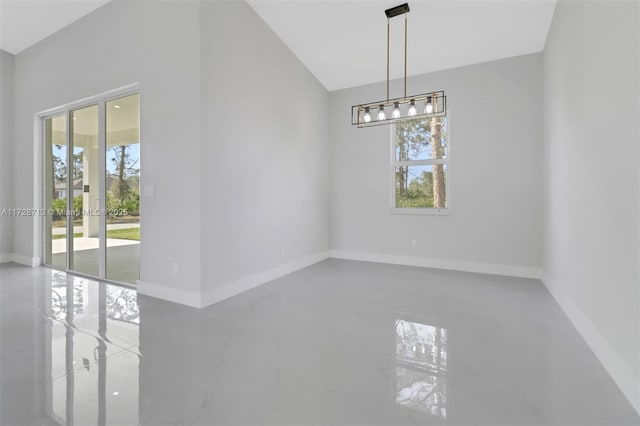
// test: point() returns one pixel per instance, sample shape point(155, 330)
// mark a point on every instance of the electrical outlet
point(283, 250)
point(414, 243)
point(175, 269)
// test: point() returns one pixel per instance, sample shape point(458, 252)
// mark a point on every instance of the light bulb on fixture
point(396, 110)
point(412, 108)
point(367, 116)
point(429, 108)
point(433, 103)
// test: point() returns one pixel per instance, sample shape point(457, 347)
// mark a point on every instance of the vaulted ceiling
point(25, 22)
point(343, 43)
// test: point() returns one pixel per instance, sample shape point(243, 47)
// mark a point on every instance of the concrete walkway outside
point(81, 243)
point(78, 229)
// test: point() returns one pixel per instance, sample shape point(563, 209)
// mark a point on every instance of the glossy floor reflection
point(336, 343)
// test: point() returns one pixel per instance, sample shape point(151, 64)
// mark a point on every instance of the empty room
point(306, 212)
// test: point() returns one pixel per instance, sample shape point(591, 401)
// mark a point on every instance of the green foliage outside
point(123, 193)
point(124, 234)
point(419, 192)
point(125, 186)
point(129, 202)
point(130, 205)
point(59, 206)
point(414, 185)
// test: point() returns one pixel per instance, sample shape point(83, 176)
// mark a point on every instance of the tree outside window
point(420, 164)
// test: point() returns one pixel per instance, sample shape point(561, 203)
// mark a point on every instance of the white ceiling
point(122, 123)
point(343, 43)
point(26, 22)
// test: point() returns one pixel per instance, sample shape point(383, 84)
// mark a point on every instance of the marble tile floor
point(339, 343)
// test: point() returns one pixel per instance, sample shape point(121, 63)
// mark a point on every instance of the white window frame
point(39, 224)
point(392, 176)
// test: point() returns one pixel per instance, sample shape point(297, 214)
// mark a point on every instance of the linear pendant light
point(426, 105)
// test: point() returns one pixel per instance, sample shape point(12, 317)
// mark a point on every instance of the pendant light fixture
point(412, 107)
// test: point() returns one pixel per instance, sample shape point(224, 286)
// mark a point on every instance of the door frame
point(40, 236)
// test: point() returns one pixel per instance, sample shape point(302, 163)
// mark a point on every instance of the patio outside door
point(92, 189)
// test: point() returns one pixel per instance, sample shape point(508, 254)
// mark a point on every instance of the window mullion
point(419, 162)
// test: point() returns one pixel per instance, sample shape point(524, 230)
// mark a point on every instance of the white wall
point(155, 44)
point(241, 189)
point(494, 182)
point(264, 151)
point(6, 153)
point(590, 204)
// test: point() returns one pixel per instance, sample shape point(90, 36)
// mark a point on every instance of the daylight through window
point(420, 161)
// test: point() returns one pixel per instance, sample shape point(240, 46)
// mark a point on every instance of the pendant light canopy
point(427, 105)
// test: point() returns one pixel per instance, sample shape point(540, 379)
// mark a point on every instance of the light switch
point(149, 190)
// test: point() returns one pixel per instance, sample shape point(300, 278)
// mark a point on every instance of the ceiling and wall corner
point(265, 163)
point(24, 23)
point(344, 43)
point(442, 34)
point(6, 153)
point(591, 205)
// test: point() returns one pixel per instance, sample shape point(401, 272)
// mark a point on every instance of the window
point(420, 160)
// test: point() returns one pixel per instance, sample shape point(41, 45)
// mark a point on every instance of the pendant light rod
point(419, 106)
point(405, 54)
point(403, 9)
point(388, 34)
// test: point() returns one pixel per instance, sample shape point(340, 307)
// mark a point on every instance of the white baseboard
point(617, 368)
point(18, 258)
point(201, 300)
point(34, 262)
point(183, 297)
point(236, 287)
point(455, 265)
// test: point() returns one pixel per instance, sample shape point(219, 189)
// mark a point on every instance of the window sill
point(420, 211)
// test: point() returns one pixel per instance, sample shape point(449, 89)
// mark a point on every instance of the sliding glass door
point(55, 171)
point(122, 182)
point(92, 189)
point(85, 192)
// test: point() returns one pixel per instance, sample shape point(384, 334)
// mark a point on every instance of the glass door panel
point(122, 182)
point(92, 189)
point(85, 191)
point(56, 160)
